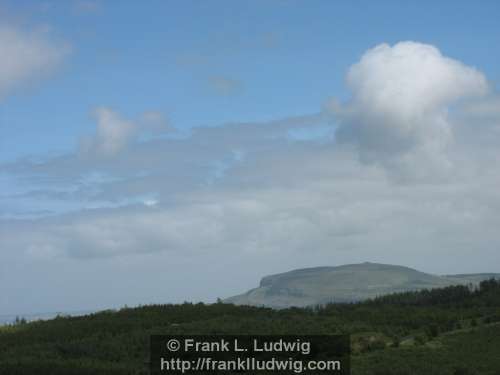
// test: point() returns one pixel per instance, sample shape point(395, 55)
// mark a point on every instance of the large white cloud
point(398, 113)
point(26, 56)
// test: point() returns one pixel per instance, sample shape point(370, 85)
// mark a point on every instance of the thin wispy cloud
point(225, 86)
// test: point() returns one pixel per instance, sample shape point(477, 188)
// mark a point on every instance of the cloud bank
point(250, 189)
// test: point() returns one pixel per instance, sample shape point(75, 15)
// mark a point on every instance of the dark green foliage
point(463, 371)
point(427, 332)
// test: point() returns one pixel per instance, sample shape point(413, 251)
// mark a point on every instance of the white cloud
point(398, 113)
point(26, 56)
point(150, 202)
point(114, 133)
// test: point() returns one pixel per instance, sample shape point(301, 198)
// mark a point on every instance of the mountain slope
point(347, 283)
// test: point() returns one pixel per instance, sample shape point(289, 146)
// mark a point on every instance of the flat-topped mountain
point(347, 283)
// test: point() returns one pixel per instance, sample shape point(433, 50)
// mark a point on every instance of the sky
point(170, 151)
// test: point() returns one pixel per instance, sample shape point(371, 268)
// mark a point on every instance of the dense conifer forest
point(449, 331)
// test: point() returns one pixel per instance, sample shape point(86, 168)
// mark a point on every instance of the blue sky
point(287, 57)
point(152, 151)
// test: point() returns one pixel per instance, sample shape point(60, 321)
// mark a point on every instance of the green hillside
point(447, 331)
point(348, 283)
point(462, 352)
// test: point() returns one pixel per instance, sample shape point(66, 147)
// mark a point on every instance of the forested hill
point(346, 283)
point(444, 331)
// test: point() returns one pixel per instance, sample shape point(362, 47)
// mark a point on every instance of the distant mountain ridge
point(346, 283)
